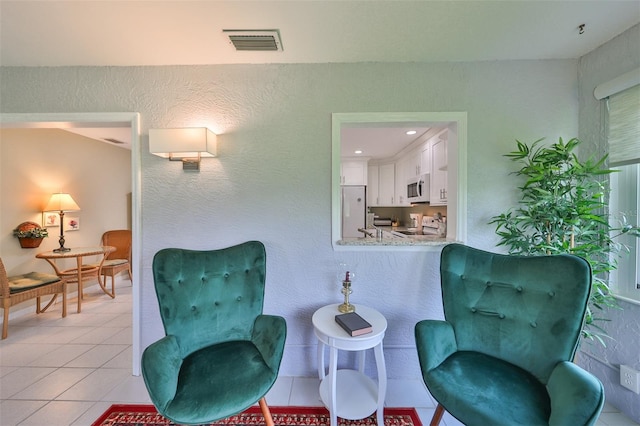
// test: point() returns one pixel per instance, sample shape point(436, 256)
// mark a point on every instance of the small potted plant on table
point(30, 234)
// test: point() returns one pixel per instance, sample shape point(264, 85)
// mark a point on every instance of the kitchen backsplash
point(402, 213)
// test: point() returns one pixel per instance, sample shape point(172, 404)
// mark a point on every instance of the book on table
point(354, 324)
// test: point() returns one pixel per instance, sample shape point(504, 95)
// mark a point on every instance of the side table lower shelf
point(356, 394)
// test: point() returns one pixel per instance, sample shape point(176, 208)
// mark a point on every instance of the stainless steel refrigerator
point(354, 211)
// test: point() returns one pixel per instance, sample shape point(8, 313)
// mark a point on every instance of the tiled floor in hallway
point(67, 371)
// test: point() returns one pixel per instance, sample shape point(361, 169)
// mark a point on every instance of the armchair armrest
point(269, 334)
point(161, 363)
point(435, 342)
point(576, 396)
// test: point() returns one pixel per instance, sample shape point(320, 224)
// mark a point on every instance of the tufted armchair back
point(209, 297)
point(528, 311)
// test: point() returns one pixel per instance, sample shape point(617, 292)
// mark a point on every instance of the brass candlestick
point(346, 290)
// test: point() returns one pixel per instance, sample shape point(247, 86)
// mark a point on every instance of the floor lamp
point(61, 202)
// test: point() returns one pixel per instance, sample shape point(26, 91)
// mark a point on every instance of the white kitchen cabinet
point(387, 185)
point(412, 164)
point(438, 196)
point(405, 169)
point(372, 185)
point(381, 185)
point(353, 173)
point(425, 158)
point(418, 161)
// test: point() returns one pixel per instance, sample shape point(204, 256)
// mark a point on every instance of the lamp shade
point(182, 143)
point(61, 202)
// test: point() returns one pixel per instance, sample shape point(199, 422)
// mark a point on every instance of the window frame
point(619, 120)
point(624, 281)
point(457, 170)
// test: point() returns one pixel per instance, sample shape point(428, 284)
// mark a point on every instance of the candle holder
point(346, 290)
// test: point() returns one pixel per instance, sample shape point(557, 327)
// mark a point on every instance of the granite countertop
point(389, 239)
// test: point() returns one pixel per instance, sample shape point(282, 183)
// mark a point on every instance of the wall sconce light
point(61, 203)
point(187, 145)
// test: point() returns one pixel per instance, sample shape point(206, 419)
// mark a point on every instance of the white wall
point(271, 181)
point(618, 56)
point(34, 163)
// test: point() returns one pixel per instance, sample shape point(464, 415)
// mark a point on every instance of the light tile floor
point(59, 372)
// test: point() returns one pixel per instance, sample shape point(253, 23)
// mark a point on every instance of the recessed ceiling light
point(358, 151)
point(411, 132)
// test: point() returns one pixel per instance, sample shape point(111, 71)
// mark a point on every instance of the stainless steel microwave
point(418, 189)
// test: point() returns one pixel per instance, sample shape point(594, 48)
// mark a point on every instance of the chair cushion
point(483, 390)
point(109, 262)
point(218, 381)
point(24, 282)
point(114, 262)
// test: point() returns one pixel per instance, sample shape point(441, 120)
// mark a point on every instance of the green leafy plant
point(563, 209)
point(31, 233)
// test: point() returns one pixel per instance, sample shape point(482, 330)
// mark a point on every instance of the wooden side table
point(75, 275)
point(350, 394)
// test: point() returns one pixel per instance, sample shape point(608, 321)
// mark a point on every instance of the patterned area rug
point(146, 415)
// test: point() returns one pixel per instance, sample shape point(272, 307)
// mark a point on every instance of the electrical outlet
point(630, 378)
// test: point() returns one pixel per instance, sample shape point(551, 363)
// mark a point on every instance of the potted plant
point(563, 209)
point(30, 234)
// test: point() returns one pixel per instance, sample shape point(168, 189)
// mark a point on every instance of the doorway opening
point(126, 120)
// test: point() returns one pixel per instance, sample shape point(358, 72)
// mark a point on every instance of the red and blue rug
point(146, 415)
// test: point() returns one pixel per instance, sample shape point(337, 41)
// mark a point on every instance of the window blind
point(624, 127)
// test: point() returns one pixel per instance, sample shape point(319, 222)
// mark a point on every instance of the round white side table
point(350, 394)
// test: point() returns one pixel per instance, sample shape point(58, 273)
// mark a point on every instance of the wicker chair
point(20, 288)
point(119, 260)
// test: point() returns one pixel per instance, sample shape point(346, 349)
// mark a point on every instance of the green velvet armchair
point(503, 355)
point(221, 354)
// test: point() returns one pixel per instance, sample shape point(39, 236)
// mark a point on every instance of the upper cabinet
point(438, 195)
point(425, 158)
point(387, 185)
point(405, 169)
point(353, 172)
point(381, 190)
point(418, 161)
point(373, 177)
point(412, 163)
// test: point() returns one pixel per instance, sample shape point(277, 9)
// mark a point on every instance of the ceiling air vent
point(255, 40)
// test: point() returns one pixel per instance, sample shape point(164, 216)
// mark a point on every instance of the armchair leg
point(265, 412)
point(437, 416)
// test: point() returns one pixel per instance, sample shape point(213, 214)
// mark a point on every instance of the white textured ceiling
point(381, 141)
point(146, 32)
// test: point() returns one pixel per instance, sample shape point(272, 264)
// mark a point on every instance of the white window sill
point(627, 299)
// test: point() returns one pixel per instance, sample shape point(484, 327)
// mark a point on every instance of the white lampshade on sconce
point(188, 145)
point(61, 202)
